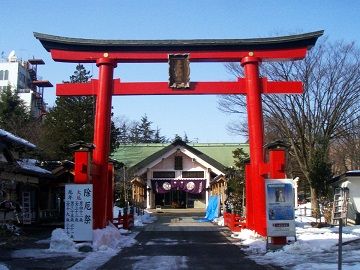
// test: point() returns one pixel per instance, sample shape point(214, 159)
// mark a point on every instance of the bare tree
point(322, 114)
point(345, 151)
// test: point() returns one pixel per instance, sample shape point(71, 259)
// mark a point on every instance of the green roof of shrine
point(133, 154)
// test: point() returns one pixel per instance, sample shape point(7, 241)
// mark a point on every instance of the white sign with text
point(280, 213)
point(79, 212)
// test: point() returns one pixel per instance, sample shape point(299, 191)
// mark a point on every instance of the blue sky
point(198, 116)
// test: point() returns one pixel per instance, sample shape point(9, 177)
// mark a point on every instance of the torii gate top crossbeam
point(64, 49)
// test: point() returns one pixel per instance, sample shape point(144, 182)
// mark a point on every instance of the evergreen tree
point(320, 173)
point(142, 132)
point(134, 135)
point(114, 135)
point(157, 137)
point(71, 120)
point(236, 182)
point(14, 115)
point(81, 75)
point(186, 139)
point(123, 135)
point(177, 138)
point(146, 133)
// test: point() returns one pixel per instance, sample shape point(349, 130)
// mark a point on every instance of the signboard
point(79, 212)
point(179, 71)
point(280, 214)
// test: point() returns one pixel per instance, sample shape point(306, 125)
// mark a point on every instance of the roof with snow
point(31, 166)
point(344, 175)
point(26, 166)
point(12, 139)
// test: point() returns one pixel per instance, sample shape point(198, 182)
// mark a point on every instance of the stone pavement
point(179, 240)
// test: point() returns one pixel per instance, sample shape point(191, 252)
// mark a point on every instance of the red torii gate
point(249, 52)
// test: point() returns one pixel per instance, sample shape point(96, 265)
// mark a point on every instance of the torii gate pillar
point(256, 141)
point(102, 139)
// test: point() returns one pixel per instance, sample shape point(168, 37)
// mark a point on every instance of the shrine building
point(177, 175)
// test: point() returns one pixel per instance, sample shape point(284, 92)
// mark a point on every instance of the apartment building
point(21, 76)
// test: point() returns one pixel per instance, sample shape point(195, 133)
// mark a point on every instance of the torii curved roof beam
point(65, 49)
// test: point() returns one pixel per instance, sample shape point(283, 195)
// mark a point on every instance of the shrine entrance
point(180, 199)
point(107, 54)
point(172, 199)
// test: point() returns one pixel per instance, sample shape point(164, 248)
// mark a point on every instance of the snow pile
point(3, 267)
point(108, 237)
point(61, 242)
point(253, 242)
point(142, 220)
point(315, 248)
point(303, 215)
point(124, 231)
point(107, 248)
point(106, 243)
point(219, 221)
point(116, 211)
point(139, 220)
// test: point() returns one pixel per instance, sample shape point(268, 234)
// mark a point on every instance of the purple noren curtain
point(194, 186)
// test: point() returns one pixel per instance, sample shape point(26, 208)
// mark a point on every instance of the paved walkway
point(178, 240)
point(29, 240)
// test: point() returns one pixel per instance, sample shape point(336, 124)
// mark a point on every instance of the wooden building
point(20, 178)
point(36, 188)
point(351, 181)
point(177, 175)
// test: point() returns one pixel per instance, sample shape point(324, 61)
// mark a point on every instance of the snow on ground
point(109, 241)
point(106, 243)
point(142, 220)
point(219, 221)
point(315, 248)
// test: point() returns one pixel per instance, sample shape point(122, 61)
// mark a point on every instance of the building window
point(22, 78)
point(4, 75)
point(164, 174)
point(178, 163)
point(3, 88)
point(193, 174)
